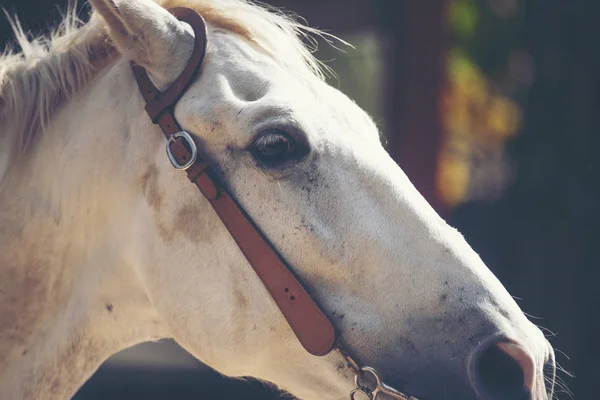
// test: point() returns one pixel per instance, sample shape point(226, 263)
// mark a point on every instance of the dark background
point(538, 230)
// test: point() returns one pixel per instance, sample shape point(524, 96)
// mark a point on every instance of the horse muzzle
point(497, 368)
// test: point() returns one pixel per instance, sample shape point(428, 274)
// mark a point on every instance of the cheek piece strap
point(311, 326)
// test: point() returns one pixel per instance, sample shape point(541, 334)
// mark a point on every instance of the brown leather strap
point(157, 102)
point(312, 328)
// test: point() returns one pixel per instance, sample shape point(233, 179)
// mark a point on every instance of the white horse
point(104, 245)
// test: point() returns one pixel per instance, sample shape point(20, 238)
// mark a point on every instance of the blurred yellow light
point(474, 116)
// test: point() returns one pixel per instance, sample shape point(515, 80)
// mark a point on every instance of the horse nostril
point(502, 370)
point(525, 361)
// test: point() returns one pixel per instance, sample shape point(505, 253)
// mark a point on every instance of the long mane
point(48, 70)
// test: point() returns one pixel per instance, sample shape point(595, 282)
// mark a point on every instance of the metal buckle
point(191, 144)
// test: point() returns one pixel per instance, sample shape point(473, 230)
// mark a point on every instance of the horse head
point(405, 292)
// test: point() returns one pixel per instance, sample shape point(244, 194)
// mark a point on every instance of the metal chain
point(368, 390)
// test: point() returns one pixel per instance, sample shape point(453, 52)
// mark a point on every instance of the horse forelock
point(280, 34)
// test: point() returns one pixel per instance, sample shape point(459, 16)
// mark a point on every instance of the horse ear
point(148, 34)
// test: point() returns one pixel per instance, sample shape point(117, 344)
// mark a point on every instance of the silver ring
point(363, 394)
point(191, 144)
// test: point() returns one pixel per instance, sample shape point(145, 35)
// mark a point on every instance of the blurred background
point(492, 108)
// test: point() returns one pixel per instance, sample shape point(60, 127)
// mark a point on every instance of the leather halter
point(310, 325)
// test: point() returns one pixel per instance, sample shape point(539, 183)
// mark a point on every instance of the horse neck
point(69, 294)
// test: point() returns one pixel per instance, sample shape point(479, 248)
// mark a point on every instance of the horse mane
point(50, 69)
point(36, 80)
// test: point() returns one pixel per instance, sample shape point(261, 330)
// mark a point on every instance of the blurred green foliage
point(463, 17)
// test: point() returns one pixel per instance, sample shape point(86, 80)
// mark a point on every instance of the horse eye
point(273, 147)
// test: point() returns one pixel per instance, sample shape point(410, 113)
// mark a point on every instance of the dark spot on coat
point(190, 222)
point(149, 186)
point(109, 307)
point(240, 299)
point(164, 232)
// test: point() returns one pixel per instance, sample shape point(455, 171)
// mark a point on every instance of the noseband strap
point(310, 325)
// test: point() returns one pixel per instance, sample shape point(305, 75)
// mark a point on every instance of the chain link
point(368, 390)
